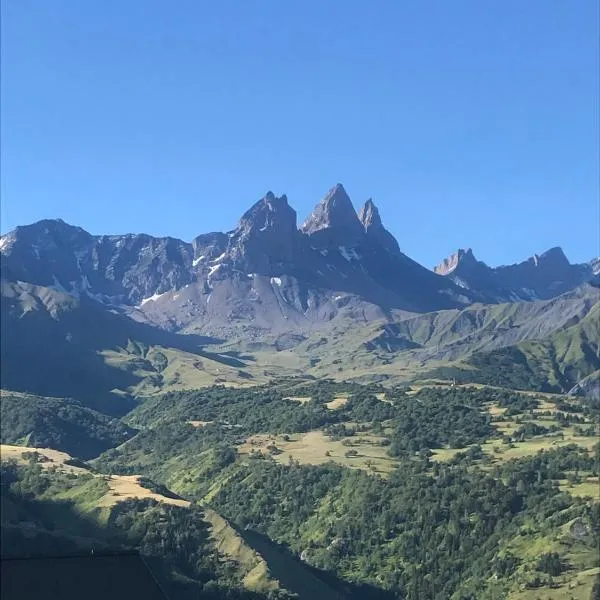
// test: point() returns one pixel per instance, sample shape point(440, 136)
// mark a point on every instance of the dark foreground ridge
point(118, 576)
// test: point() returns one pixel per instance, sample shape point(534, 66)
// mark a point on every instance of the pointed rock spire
point(369, 215)
point(461, 257)
point(265, 237)
point(335, 212)
point(554, 257)
point(271, 213)
point(371, 221)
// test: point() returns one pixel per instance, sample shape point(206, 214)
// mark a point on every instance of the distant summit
point(371, 221)
point(334, 218)
point(461, 258)
point(539, 277)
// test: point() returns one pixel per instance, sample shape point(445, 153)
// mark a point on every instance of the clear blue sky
point(469, 122)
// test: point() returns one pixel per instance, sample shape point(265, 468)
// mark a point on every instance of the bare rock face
point(266, 238)
point(208, 246)
point(461, 258)
point(138, 266)
point(42, 250)
point(117, 269)
point(543, 276)
point(334, 220)
point(540, 277)
point(375, 231)
point(464, 269)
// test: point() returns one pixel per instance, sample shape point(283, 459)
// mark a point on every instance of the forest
point(480, 480)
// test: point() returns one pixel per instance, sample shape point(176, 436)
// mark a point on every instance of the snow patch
point(348, 253)
point(152, 298)
point(324, 252)
point(461, 283)
point(276, 281)
point(338, 297)
point(214, 269)
point(219, 258)
point(4, 241)
point(197, 260)
point(208, 299)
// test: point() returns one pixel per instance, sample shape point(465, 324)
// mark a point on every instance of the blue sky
point(469, 122)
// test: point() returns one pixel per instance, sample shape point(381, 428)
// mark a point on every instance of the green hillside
point(491, 493)
point(334, 490)
point(554, 363)
point(66, 514)
point(58, 423)
point(56, 345)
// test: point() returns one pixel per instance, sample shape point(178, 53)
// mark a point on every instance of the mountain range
point(540, 277)
point(267, 286)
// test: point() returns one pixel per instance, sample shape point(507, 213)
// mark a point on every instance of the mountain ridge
point(335, 249)
point(135, 312)
point(539, 277)
point(266, 271)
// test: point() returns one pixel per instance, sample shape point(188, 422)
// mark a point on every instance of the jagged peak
point(369, 215)
point(373, 226)
point(334, 211)
point(553, 256)
point(270, 212)
point(449, 264)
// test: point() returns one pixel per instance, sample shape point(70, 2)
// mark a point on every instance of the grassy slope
point(59, 423)
point(558, 361)
point(57, 345)
point(94, 496)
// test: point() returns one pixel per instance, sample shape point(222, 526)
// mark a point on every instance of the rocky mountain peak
point(266, 236)
point(540, 277)
point(371, 221)
point(49, 233)
point(461, 257)
point(369, 215)
point(270, 213)
point(554, 257)
point(334, 217)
